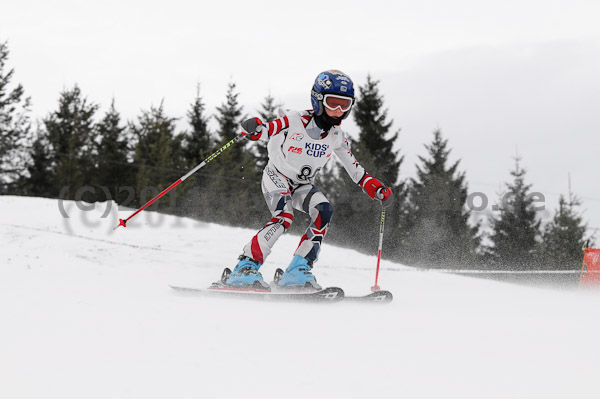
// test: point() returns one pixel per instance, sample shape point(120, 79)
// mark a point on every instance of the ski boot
point(298, 275)
point(245, 275)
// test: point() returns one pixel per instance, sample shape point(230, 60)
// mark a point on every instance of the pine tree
point(371, 118)
point(40, 174)
point(194, 197)
point(157, 156)
point(70, 134)
point(113, 168)
point(198, 142)
point(14, 126)
point(564, 237)
point(229, 116)
point(375, 150)
point(516, 230)
point(267, 113)
point(236, 186)
point(439, 233)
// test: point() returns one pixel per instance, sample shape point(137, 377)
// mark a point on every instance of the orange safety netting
point(590, 275)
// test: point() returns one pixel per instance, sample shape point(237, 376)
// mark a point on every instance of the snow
point(87, 312)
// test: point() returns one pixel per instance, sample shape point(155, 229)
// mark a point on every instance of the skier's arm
point(373, 187)
point(348, 161)
point(254, 129)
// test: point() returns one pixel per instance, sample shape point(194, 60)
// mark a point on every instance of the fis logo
point(295, 150)
point(316, 150)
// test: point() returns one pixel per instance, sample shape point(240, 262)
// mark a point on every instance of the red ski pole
point(123, 222)
point(381, 227)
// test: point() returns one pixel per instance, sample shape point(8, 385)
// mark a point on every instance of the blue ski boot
point(246, 275)
point(298, 275)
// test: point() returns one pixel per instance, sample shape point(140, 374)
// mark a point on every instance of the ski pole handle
point(123, 222)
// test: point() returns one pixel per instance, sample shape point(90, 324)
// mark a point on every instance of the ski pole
point(381, 227)
point(123, 222)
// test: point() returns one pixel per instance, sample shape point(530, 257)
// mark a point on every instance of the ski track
point(87, 312)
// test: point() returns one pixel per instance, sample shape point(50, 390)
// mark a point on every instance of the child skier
point(299, 146)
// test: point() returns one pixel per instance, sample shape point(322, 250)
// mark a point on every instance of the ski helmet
point(331, 82)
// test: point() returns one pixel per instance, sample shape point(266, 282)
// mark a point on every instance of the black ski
point(263, 291)
point(329, 294)
point(377, 296)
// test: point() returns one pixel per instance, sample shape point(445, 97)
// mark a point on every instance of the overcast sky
point(495, 77)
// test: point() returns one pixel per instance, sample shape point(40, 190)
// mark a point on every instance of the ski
point(326, 295)
point(312, 292)
point(329, 294)
point(376, 297)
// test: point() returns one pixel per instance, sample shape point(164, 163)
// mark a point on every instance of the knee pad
point(325, 211)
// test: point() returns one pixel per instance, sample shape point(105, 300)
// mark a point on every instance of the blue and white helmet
point(330, 82)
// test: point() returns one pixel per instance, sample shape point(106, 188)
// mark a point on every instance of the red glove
point(252, 129)
point(376, 190)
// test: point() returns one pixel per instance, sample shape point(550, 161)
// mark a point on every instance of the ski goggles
point(333, 102)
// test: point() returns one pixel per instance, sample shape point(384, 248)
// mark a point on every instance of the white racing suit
point(295, 159)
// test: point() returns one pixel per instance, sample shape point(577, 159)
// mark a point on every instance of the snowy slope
point(87, 313)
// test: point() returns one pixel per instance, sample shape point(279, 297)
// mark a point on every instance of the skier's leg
point(277, 194)
point(311, 200)
point(276, 191)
